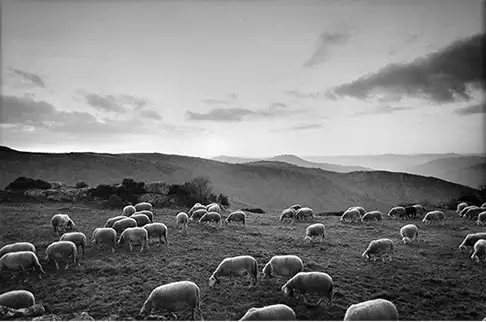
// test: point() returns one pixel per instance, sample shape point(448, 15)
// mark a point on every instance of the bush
point(24, 183)
point(103, 191)
point(196, 190)
point(223, 200)
point(81, 184)
point(254, 210)
point(115, 201)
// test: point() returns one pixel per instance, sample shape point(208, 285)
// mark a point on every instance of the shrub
point(81, 184)
point(24, 183)
point(115, 201)
point(196, 190)
point(223, 200)
point(103, 191)
point(254, 210)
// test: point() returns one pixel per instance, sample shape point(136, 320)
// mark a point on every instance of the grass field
point(428, 281)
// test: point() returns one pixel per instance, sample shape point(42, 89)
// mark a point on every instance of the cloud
point(32, 79)
point(297, 94)
point(442, 77)
point(150, 114)
point(220, 114)
point(106, 103)
point(300, 127)
point(324, 43)
point(384, 109)
point(211, 101)
point(122, 103)
point(472, 109)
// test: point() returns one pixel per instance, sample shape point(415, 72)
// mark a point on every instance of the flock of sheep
point(135, 226)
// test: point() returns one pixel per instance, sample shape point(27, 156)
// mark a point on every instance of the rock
point(83, 316)
point(57, 184)
point(9, 313)
point(48, 317)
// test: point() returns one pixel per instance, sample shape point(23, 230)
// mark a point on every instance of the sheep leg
point(130, 244)
point(57, 265)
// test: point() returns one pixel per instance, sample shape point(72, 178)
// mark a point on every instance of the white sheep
point(211, 217)
point(372, 310)
point(62, 251)
point(479, 250)
point(472, 214)
point(460, 207)
point(197, 206)
point(275, 312)
point(143, 206)
point(17, 247)
point(236, 266)
point(435, 215)
point(351, 215)
point(383, 246)
point(181, 220)
point(397, 211)
point(157, 229)
point(141, 219)
point(372, 215)
point(315, 230)
point(481, 219)
point(148, 213)
point(17, 299)
point(483, 205)
point(214, 208)
point(310, 283)
point(409, 232)
point(172, 296)
point(295, 207)
point(470, 240)
point(111, 221)
point(197, 214)
point(288, 213)
point(61, 222)
point(135, 234)
point(105, 236)
point(304, 212)
point(361, 210)
point(21, 261)
point(78, 238)
point(285, 265)
point(128, 211)
point(236, 216)
point(466, 209)
point(123, 224)
point(420, 209)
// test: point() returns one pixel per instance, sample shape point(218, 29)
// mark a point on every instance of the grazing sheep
point(420, 210)
point(460, 207)
point(409, 232)
point(315, 230)
point(148, 213)
point(106, 236)
point(173, 296)
point(397, 211)
point(304, 212)
point(288, 213)
point(480, 222)
point(383, 246)
point(135, 234)
point(143, 206)
point(295, 207)
point(157, 229)
point(310, 283)
point(181, 220)
point(372, 310)
point(479, 250)
point(111, 221)
point(372, 215)
point(235, 216)
point(470, 240)
point(361, 210)
point(62, 251)
point(128, 211)
point(463, 211)
point(214, 208)
point(141, 219)
point(78, 238)
point(61, 222)
point(20, 261)
point(236, 266)
point(197, 206)
point(472, 214)
point(435, 215)
point(198, 214)
point(123, 224)
point(17, 247)
point(483, 205)
point(17, 299)
point(211, 217)
point(276, 312)
point(285, 265)
point(351, 214)
point(411, 212)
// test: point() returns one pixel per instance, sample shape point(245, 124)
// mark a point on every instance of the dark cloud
point(473, 109)
point(220, 114)
point(441, 77)
point(324, 43)
point(384, 109)
point(31, 78)
point(108, 103)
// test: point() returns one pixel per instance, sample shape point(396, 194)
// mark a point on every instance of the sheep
point(157, 229)
point(141, 219)
point(304, 212)
point(128, 211)
point(275, 312)
point(143, 206)
point(435, 215)
point(295, 207)
point(420, 210)
point(171, 296)
point(61, 222)
point(409, 232)
point(315, 230)
point(372, 215)
point(198, 214)
point(181, 220)
point(17, 299)
point(111, 221)
point(236, 266)
point(310, 283)
point(148, 213)
point(481, 219)
point(211, 217)
point(105, 236)
point(285, 265)
point(411, 212)
point(78, 238)
point(483, 205)
point(479, 250)
point(470, 240)
point(383, 246)
point(20, 261)
point(397, 211)
point(463, 211)
point(123, 224)
point(361, 210)
point(62, 250)
point(238, 215)
point(197, 206)
point(16, 247)
point(137, 234)
point(351, 214)
point(472, 214)
point(288, 213)
point(214, 208)
point(372, 310)
point(460, 207)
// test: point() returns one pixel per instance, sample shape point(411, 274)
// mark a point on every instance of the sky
point(243, 78)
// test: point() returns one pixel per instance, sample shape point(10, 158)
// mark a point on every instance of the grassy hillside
point(268, 185)
point(427, 281)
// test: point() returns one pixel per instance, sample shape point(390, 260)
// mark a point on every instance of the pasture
point(428, 281)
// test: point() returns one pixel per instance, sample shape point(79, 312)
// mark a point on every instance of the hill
point(268, 185)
